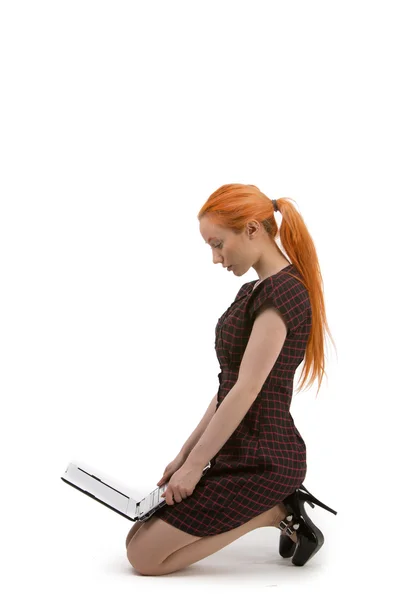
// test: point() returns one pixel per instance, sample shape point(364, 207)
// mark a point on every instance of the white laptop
point(85, 480)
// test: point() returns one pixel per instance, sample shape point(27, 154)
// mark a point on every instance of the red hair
point(232, 206)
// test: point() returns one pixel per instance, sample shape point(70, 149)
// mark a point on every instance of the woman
point(258, 457)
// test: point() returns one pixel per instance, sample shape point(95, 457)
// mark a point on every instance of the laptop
point(119, 500)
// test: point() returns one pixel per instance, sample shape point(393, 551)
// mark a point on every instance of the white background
point(118, 120)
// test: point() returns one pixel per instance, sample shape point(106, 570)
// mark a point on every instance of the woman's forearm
point(226, 419)
point(201, 427)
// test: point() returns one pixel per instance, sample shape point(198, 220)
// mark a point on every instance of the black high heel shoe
point(309, 538)
point(286, 545)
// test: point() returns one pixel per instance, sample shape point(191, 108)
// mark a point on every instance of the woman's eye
point(219, 245)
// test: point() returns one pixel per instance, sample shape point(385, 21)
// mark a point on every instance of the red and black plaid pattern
point(264, 460)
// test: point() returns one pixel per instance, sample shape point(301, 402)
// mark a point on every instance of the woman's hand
point(172, 468)
point(182, 483)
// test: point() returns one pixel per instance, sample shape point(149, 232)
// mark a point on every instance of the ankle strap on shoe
point(288, 526)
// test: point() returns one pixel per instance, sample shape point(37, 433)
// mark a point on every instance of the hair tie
point(274, 202)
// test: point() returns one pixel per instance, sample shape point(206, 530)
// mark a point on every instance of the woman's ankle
point(282, 513)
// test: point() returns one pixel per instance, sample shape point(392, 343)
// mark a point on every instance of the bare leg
point(280, 513)
point(206, 546)
point(133, 531)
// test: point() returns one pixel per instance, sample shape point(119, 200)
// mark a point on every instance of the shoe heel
point(312, 499)
point(310, 539)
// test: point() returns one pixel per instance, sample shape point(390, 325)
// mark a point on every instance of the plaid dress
point(264, 459)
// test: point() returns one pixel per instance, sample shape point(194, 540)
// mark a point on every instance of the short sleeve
point(288, 295)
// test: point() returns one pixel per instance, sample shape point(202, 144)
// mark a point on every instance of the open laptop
point(83, 479)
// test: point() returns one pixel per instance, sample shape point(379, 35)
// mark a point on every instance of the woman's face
point(229, 248)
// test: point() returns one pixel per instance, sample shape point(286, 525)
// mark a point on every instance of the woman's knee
point(132, 532)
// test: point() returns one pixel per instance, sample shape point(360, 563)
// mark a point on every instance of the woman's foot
point(282, 513)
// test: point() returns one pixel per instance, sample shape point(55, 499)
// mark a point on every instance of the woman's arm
point(201, 427)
